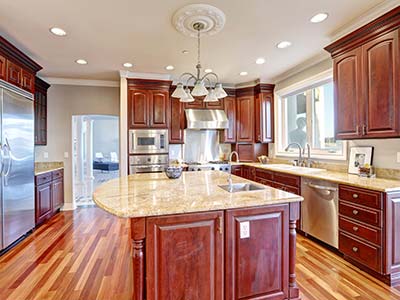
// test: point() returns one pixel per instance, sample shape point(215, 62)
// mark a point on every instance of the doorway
point(95, 149)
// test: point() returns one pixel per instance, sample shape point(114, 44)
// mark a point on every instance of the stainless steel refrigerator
point(17, 199)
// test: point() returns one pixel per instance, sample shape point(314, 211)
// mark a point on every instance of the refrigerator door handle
point(9, 158)
point(1, 160)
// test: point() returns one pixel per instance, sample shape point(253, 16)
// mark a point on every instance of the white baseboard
point(68, 206)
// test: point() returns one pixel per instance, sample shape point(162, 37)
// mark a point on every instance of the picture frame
point(359, 156)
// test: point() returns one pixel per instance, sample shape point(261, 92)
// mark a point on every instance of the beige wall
point(385, 150)
point(64, 101)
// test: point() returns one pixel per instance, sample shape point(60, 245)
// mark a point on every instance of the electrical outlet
point(398, 157)
point(45, 154)
point(244, 230)
point(66, 154)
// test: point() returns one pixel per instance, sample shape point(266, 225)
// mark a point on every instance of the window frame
point(280, 118)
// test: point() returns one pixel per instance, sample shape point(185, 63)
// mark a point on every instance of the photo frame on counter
point(359, 156)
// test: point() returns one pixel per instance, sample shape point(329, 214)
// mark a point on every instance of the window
point(306, 116)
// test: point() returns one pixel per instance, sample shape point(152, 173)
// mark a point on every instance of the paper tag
point(244, 230)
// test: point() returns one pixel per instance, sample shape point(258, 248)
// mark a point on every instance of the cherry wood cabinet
point(198, 103)
point(40, 111)
point(215, 105)
point(229, 135)
point(366, 69)
point(138, 109)
point(264, 116)
point(184, 256)
point(159, 106)
point(49, 190)
point(3, 69)
point(177, 122)
point(245, 119)
point(256, 263)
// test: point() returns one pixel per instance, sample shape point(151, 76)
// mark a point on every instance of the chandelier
point(206, 85)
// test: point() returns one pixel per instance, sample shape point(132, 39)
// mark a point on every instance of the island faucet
point(230, 168)
point(300, 151)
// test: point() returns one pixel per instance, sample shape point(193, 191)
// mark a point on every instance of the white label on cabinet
point(244, 230)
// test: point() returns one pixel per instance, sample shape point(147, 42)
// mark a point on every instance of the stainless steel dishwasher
point(319, 210)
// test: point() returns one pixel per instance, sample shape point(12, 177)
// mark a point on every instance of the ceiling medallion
point(194, 20)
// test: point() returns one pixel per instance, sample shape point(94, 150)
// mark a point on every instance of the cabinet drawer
point(287, 179)
point(361, 196)
point(360, 251)
point(366, 215)
point(43, 178)
point(264, 181)
point(370, 234)
point(58, 174)
point(264, 174)
point(287, 188)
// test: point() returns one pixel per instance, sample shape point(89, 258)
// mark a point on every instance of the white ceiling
point(108, 33)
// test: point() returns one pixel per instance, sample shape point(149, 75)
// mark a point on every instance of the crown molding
point(364, 19)
point(81, 82)
point(139, 75)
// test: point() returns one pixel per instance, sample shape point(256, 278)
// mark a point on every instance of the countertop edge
point(48, 170)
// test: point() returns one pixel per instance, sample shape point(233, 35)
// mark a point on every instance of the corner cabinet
point(264, 116)
point(366, 69)
point(40, 111)
point(229, 135)
point(245, 119)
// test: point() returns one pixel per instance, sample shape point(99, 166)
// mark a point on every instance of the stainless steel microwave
point(148, 141)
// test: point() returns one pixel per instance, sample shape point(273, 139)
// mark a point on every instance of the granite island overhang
point(193, 240)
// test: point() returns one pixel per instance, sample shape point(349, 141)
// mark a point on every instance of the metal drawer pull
point(355, 228)
point(355, 249)
point(355, 212)
point(355, 196)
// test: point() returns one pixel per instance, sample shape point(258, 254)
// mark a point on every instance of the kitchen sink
point(294, 168)
point(241, 187)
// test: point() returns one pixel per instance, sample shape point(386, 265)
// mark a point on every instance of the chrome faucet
point(300, 151)
point(230, 168)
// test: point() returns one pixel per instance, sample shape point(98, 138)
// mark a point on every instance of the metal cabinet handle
point(357, 129)
point(220, 225)
point(355, 228)
point(364, 129)
point(355, 249)
point(355, 196)
point(355, 212)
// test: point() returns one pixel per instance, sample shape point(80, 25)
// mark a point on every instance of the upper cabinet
point(198, 103)
point(40, 111)
point(177, 122)
point(16, 67)
point(367, 80)
point(245, 118)
point(229, 134)
point(148, 103)
point(264, 114)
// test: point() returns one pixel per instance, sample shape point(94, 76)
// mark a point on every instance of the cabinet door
point(138, 109)
point(57, 192)
point(159, 109)
point(3, 68)
point(28, 81)
point(348, 104)
point(177, 120)
point(245, 119)
point(257, 259)
point(229, 135)
point(14, 73)
point(264, 118)
point(184, 257)
point(237, 170)
point(198, 103)
point(43, 202)
point(381, 86)
point(215, 105)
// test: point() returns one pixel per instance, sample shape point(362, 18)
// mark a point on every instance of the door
point(18, 169)
point(381, 86)
point(44, 205)
point(159, 109)
point(138, 109)
point(245, 119)
point(348, 102)
point(57, 193)
point(229, 135)
point(264, 118)
point(184, 257)
point(177, 121)
point(257, 256)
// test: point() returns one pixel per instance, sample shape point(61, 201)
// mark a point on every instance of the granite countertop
point(45, 167)
point(153, 194)
point(377, 184)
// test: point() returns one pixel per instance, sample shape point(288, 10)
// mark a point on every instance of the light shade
point(179, 92)
point(199, 89)
point(188, 96)
point(211, 96)
point(219, 91)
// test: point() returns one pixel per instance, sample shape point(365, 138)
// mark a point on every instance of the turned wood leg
point(138, 256)
point(294, 293)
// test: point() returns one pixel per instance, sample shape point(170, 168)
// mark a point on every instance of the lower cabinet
point(256, 260)
point(184, 256)
point(49, 195)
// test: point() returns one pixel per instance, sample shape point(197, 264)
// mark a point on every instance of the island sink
point(241, 187)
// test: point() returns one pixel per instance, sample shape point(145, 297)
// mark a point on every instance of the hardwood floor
point(84, 255)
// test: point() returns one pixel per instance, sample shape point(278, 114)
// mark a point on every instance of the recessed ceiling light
point(81, 62)
point(58, 31)
point(284, 44)
point(128, 65)
point(244, 73)
point(319, 18)
point(185, 51)
point(169, 68)
point(208, 70)
point(260, 61)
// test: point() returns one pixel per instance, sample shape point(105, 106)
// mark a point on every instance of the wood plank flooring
point(84, 254)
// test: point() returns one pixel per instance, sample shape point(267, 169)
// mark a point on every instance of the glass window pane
point(296, 118)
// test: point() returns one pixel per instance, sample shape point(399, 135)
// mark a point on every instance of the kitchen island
point(194, 240)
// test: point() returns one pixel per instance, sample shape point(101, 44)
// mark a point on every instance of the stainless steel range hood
point(206, 119)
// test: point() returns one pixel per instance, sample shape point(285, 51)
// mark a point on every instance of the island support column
point(138, 234)
point(294, 215)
